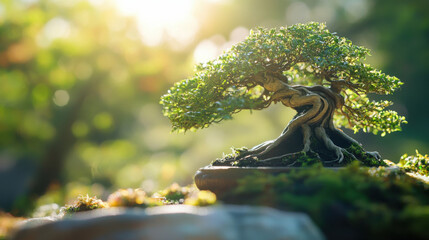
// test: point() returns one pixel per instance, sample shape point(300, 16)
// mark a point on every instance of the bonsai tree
point(305, 67)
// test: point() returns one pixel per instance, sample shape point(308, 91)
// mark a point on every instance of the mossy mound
point(352, 203)
point(83, 204)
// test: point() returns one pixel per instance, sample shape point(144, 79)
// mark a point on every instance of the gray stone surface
point(175, 222)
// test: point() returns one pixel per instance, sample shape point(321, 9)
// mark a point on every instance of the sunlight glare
point(205, 51)
point(162, 19)
point(216, 45)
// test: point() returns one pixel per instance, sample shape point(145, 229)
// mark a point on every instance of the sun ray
point(162, 19)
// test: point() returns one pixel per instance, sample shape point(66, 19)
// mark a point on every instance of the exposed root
point(260, 148)
point(376, 155)
point(349, 154)
point(321, 135)
point(306, 131)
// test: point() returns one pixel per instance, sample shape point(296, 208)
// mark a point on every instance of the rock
point(34, 222)
point(176, 222)
point(48, 210)
point(268, 223)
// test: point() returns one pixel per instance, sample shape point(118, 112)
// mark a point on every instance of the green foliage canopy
point(302, 54)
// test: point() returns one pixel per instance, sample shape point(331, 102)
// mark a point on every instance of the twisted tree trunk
point(310, 131)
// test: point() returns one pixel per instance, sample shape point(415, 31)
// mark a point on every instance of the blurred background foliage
point(80, 83)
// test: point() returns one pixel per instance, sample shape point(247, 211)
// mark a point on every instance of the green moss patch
point(352, 203)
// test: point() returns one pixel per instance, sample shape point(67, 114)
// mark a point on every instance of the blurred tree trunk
point(49, 171)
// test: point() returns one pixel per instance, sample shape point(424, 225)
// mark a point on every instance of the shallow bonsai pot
point(222, 179)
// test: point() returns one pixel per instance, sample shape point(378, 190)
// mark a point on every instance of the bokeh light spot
point(80, 129)
point(205, 51)
point(61, 78)
point(41, 95)
point(61, 98)
point(83, 71)
point(103, 121)
point(56, 28)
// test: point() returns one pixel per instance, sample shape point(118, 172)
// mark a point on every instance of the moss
point(84, 203)
point(201, 198)
point(313, 157)
point(175, 194)
point(364, 157)
point(188, 195)
point(307, 159)
point(353, 203)
point(415, 163)
point(232, 158)
point(132, 198)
